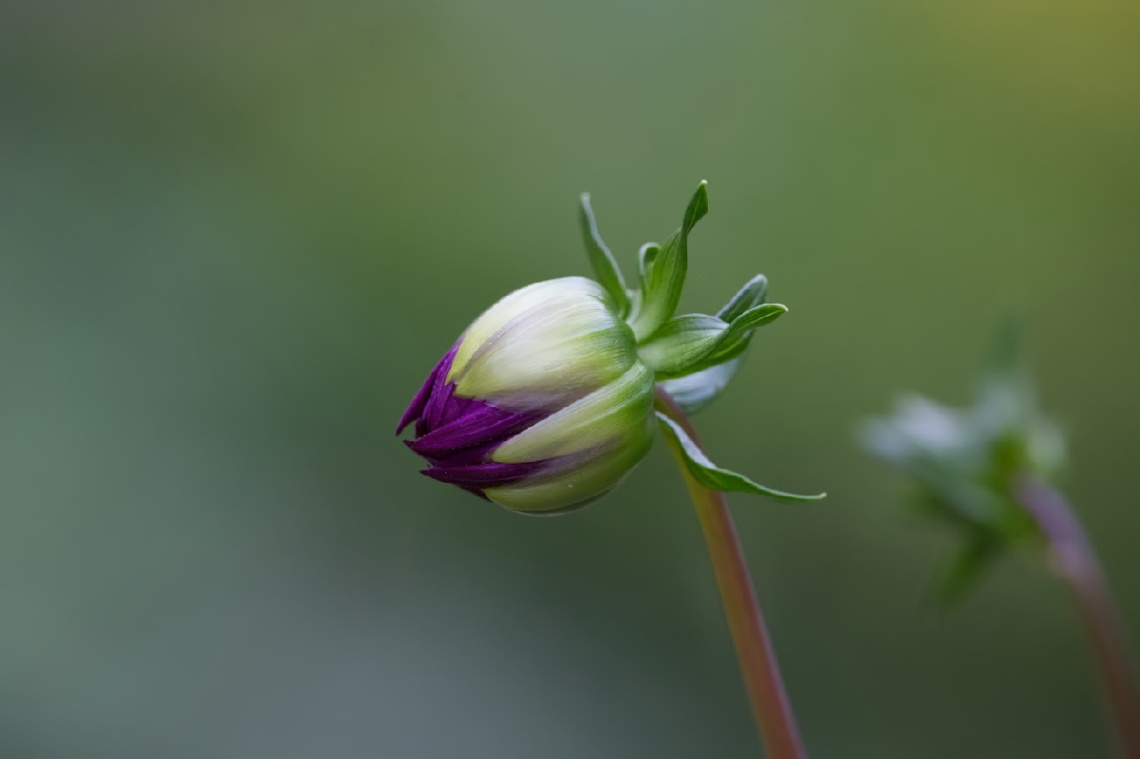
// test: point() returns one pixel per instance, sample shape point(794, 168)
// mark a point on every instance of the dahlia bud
point(543, 404)
point(547, 400)
point(967, 463)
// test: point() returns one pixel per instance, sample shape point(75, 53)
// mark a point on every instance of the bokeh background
point(235, 236)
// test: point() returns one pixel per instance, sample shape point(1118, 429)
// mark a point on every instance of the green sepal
point(605, 267)
point(663, 273)
point(713, 477)
point(682, 343)
point(646, 254)
point(695, 391)
point(749, 296)
point(741, 328)
point(695, 342)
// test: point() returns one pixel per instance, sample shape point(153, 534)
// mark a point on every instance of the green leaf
point(694, 392)
point(663, 274)
point(749, 296)
point(712, 476)
point(601, 259)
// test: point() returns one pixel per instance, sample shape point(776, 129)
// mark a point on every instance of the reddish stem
point(758, 663)
point(1073, 559)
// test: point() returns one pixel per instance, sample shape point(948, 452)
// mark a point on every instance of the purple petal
point(455, 408)
point(441, 392)
point(458, 435)
point(416, 408)
point(483, 475)
point(419, 404)
point(477, 454)
point(480, 423)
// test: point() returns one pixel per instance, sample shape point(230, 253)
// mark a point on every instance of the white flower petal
point(603, 419)
point(544, 345)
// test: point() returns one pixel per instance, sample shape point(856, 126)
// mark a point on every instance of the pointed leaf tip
point(664, 276)
point(749, 296)
point(697, 208)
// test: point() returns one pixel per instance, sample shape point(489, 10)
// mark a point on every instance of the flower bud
point(542, 405)
point(547, 400)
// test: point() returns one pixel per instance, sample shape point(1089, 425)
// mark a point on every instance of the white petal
point(577, 486)
point(544, 345)
point(604, 418)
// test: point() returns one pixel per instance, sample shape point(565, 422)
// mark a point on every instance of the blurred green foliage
point(234, 237)
point(966, 465)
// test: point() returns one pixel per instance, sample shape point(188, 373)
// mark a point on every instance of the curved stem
point(1074, 560)
point(754, 650)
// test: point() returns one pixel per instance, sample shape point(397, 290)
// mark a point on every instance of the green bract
point(693, 355)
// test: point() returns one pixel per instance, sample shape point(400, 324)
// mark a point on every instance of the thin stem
point(1072, 557)
point(754, 650)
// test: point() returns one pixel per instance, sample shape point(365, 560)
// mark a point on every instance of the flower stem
point(754, 651)
point(1073, 559)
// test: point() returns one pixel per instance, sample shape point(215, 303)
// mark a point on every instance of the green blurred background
point(234, 237)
